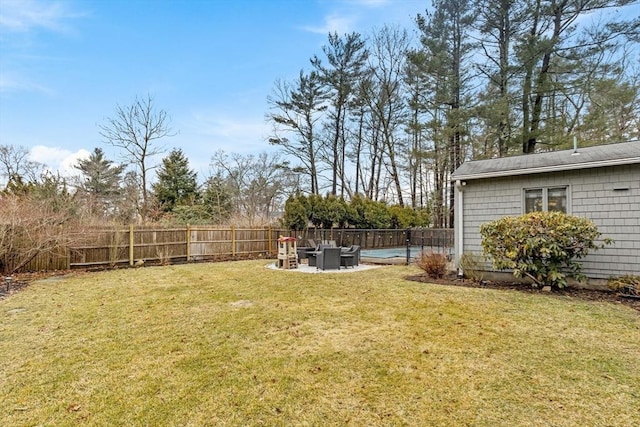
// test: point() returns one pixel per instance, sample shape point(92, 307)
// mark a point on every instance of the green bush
point(405, 217)
point(360, 212)
point(295, 213)
point(543, 246)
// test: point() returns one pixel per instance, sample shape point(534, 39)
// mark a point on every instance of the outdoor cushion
point(355, 251)
point(328, 259)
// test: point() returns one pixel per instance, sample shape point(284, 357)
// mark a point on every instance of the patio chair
point(313, 254)
point(328, 259)
point(350, 256)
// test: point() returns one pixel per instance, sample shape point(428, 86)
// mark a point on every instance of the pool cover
point(390, 252)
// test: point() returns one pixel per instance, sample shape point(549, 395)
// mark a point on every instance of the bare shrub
point(433, 263)
point(30, 226)
point(116, 239)
point(164, 254)
point(472, 266)
point(627, 285)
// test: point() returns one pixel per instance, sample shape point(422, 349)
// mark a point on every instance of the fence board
point(120, 246)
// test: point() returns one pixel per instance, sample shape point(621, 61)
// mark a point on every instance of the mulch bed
point(22, 280)
point(584, 294)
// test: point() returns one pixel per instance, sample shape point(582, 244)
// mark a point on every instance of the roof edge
point(555, 168)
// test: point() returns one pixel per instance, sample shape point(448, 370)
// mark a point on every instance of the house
point(601, 183)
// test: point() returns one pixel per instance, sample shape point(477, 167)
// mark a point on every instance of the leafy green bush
point(541, 245)
point(405, 217)
point(295, 213)
point(360, 212)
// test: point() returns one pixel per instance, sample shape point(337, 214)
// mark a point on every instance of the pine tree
point(297, 108)
point(177, 184)
point(217, 199)
point(99, 183)
point(346, 64)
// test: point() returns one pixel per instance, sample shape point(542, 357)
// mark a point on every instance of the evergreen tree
point(558, 56)
point(444, 36)
point(99, 183)
point(295, 213)
point(177, 184)
point(297, 108)
point(347, 60)
point(217, 199)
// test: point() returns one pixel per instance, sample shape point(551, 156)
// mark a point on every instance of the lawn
point(238, 344)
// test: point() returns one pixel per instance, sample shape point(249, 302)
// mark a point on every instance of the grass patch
point(238, 344)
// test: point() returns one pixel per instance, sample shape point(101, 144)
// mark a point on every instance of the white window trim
point(545, 197)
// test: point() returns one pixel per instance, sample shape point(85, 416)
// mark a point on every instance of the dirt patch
point(585, 294)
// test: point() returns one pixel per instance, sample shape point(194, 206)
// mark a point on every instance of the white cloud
point(25, 15)
point(58, 160)
point(9, 83)
point(233, 132)
point(18, 20)
point(205, 132)
point(340, 24)
point(370, 3)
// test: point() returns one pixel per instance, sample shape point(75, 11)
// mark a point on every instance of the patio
point(305, 268)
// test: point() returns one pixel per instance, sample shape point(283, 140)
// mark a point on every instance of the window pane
point(532, 200)
point(557, 199)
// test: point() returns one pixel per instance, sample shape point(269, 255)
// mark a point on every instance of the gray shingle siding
point(609, 196)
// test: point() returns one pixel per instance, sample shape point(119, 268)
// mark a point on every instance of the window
point(546, 199)
point(532, 200)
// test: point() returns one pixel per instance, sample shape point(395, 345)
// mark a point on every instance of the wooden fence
point(128, 246)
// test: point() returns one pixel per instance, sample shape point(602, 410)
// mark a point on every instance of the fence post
point(269, 241)
point(408, 242)
point(131, 245)
point(188, 239)
point(233, 240)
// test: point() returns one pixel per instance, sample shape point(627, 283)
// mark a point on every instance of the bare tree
point(16, 165)
point(136, 129)
point(259, 183)
point(389, 51)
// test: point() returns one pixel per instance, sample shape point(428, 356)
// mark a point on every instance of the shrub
point(472, 266)
point(628, 285)
point(433, 263)
point(295, 214)
point(541, 245)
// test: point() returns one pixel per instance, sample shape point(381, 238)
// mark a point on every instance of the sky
point(65, 66)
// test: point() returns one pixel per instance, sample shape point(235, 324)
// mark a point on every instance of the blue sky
point(66, 64)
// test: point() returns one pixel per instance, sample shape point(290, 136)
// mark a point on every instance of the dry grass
point(238, 344)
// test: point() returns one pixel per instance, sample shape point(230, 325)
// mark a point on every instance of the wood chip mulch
point(584, 294)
